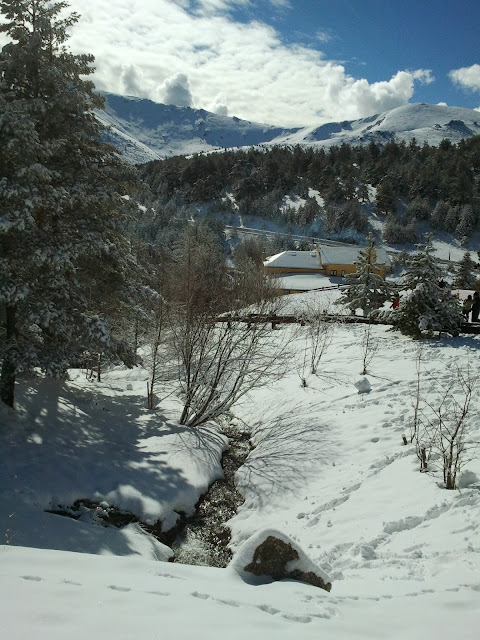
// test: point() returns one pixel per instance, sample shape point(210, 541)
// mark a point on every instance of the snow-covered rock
point(273, 554)
point(363, 385)
point(467, 479)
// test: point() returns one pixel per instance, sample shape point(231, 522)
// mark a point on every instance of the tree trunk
point(7, 376)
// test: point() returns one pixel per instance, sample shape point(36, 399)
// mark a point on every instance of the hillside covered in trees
point(331, 192)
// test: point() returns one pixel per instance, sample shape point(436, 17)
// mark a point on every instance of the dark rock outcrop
point(273, 554)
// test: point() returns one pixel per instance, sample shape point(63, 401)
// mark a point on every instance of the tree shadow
point(286, 455)
point(75, 442)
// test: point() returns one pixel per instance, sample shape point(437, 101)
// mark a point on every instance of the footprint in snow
point(267, 609)
point(230, 603)
point(303, 619)
point(32, 578)
point(115, 588)
point(168, 575)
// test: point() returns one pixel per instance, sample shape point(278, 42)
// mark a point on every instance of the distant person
point(396, 301)
point(467, 306)
point(475, 306)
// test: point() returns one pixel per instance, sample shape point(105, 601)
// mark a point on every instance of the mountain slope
point(424, 122)
point(144, 130)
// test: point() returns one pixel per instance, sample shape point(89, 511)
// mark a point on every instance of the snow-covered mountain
point(144, 130)
point(424, 122)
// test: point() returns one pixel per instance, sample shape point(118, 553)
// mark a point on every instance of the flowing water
point(203, 538)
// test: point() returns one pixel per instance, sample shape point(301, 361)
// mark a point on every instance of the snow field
point(329, 470)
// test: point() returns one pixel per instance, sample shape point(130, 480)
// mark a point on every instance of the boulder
point(272, 554)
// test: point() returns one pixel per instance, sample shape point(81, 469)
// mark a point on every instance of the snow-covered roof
point(294, 260)
point(328, 255)
point(303, 282)
point(349, 255)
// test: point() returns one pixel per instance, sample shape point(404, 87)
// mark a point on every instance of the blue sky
point(285, 62)
point(377, 38)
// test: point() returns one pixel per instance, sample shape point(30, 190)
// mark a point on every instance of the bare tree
point(221, 328)
point(419, 432)
point(369, 347)
point(442, 421)
point(219, 362)
point(158, 345)
point(318, 334)
point(417, 396)
point(450, 423)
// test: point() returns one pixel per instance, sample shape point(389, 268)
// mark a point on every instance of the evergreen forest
point(406, 186)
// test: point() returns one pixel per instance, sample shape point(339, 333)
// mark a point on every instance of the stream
point(203, 539)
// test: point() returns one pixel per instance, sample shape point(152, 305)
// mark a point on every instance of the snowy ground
point(329, 469)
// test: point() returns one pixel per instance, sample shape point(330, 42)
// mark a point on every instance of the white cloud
point(324, 35)
point(281, 4)
point(134, 82)
point(164, 50)
point(366, 99)
point(213, 7)
point(218, 106)
point(467, 77)
point(176, 90)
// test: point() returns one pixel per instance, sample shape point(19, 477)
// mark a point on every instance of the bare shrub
point(443, 422)
point(318, 335)
point(369, 347)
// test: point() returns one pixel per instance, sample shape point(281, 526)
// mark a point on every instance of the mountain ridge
point(145, 130)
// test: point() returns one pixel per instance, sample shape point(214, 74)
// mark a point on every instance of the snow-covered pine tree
point(464, 276)
point(61, 204)
point(427, 305)
point(467, 223)
point(368, 290)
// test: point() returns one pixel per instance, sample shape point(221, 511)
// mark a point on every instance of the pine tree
point(464, 277)
point(61, 199)
point(439, 215)
point(427, 306)
point(418, 209)
point(467, 223)
point(368, 290)
point(385, 201)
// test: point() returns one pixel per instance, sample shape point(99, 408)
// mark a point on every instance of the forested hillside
point(332, 192)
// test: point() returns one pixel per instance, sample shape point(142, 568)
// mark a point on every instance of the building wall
point(337, 270)
point(350, 268)
point(326, 270)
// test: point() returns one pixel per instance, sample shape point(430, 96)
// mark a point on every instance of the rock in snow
point(273, 554)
